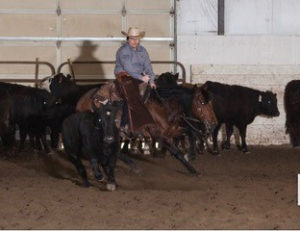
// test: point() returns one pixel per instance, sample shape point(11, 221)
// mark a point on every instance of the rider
point(133, 59)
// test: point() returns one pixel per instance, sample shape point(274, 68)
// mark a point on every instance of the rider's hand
point(153, 85)
point(146, 78)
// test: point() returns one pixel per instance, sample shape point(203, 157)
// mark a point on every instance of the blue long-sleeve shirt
point(134, 62)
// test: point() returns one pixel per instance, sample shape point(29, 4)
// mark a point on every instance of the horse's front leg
point(192, 147)
point(123, 156)
point(179, 155)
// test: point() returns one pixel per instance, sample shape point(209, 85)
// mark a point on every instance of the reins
point(185, 118)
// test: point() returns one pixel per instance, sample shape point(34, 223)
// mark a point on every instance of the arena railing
point(37, 63)
point(72, 72)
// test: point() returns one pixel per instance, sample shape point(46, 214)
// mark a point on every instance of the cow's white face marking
point(260, 98)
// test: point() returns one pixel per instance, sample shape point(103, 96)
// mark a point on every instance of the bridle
point(185, 118)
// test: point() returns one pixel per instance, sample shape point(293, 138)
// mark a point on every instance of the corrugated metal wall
point(78, 18)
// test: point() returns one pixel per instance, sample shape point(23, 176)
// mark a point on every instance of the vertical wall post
point(36, 72)
point(221, 17)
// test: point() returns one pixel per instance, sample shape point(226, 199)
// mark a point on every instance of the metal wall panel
point(27, 4)
point(262, 17)
point(28, 25)
point(197, 17)
point(148, 5)
point(248, 17)
point(88, 18)
point(25, 53)
point(91, 4)
point(286, 17)
point(154, 25)
point(76, 25)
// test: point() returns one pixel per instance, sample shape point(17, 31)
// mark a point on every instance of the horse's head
point(167, 80)
point(202, 108)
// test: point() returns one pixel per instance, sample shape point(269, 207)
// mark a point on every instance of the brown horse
point(202, 108)
point(164, 124)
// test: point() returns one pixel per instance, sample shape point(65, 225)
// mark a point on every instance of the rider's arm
point(148, 67)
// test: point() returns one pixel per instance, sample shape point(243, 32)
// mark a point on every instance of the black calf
point(93, 135)
point(26, 107)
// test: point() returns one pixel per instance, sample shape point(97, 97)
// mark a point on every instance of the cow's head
point(61, 85)
point(268, 104)
point(44, 99)
point(167, 80)
point(106, 120)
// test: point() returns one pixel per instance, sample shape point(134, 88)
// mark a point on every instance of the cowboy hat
point(134, 32)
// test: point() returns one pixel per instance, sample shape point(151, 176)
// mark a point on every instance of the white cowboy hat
point(134, 32)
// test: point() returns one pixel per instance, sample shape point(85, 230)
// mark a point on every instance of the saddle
point(138, 114)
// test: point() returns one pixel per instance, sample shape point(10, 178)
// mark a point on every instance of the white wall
point(266, 58)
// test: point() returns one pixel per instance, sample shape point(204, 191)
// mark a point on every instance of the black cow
point(167, 80)
point(26, 107)
point(54, 118)
point(66, 92)
point(93, 135)
point(292, 109)
point(7, 128)
point(238, 106)
point(168, 88)
point(63, 88)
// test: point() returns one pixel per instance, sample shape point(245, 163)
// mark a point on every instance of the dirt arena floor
point(234, 191)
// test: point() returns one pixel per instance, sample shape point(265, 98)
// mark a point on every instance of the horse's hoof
point(215, 153)
point(189, 157)
point(186, 157)
point(100, 179)
point(111, 187)
point(201, 153)
point(239, 147)
point(86, 184)
point(225, 146)
point(137, 170)
point(135, 152)
point(147, 152)
point(195, 173)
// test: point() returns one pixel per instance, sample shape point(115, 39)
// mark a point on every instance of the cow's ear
point(205, 86)
point(176, 76)
point(94, 108)
point(195, 87)
point(205, 95)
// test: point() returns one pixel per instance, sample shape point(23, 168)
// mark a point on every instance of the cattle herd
point(95, 134)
